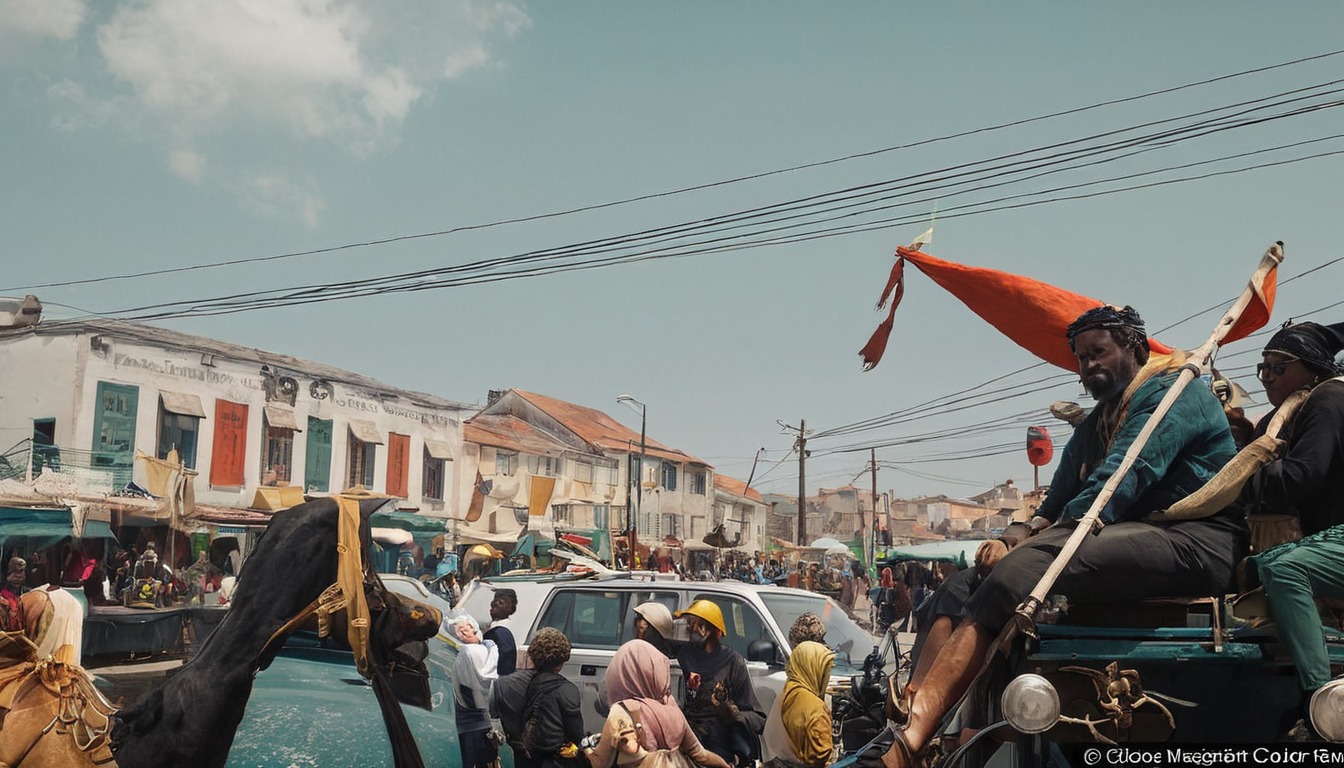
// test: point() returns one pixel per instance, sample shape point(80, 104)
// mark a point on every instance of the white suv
point(596, 616)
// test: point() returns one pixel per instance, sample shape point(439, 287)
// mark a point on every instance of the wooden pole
point(802, 485)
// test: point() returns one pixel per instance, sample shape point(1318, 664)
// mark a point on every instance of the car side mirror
point(763, 650)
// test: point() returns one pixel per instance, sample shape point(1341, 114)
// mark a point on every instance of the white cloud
point(76, 110)
point(232, 84)
point(40, 18)
point(336, 70)
point(187, 164)
point(276, 194)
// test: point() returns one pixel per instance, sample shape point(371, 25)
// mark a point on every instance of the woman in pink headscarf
point(646, 727)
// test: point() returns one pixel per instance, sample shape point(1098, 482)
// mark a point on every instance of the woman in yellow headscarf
point(798, 730)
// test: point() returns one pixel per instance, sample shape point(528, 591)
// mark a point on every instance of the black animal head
point(397, 643)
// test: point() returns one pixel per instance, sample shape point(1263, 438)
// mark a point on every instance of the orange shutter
point(398, 456)
point(230, 446)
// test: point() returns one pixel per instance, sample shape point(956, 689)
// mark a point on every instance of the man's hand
point(989, 554)
point(728, 712)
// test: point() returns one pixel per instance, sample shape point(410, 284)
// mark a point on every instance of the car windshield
point(416, 591)
point(850, 643)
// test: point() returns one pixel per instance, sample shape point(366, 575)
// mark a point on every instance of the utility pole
point(801, 445)
point(874, 456)
point(802, 483)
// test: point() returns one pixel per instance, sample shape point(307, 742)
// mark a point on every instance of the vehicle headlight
point(1327, 710)
point(1030, 704)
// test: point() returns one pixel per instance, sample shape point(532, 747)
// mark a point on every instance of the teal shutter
point(114, 429)
point(317, 467)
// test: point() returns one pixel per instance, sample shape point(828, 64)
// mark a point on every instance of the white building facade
point(98, 392)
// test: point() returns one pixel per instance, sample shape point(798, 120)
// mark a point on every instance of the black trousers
point(1124, 562)
point(477, 751)
point(949, 599)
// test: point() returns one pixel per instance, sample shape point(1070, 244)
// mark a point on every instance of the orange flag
point(1033, 314)
point(1264, 284)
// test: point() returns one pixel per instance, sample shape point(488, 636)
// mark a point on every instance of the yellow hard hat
point(706, 611)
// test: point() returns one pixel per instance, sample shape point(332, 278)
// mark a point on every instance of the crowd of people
point(535, 711)
point(127, 576)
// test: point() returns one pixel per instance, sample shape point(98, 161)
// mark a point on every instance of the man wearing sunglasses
point(1306, 481)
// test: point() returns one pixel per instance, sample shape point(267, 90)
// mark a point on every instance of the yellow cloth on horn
point(350, 576)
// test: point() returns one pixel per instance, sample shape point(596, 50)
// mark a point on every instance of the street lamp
point(633, 483)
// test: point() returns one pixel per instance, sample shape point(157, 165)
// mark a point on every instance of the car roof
point(532, 593)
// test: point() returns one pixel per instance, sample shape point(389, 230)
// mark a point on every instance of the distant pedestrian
point(501, 608)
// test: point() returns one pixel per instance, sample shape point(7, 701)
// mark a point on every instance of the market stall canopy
point(45, 527)
point(485, 550)
point(959, 552)
point(825, 543)
point(272, 498)
point(469, 535)
point(409, 521)
point(393, 536)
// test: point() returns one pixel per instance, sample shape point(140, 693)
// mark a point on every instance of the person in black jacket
point(552, 722)
point(501, 608)
point(508, 702)
point(1307, 482)
point(721, 705)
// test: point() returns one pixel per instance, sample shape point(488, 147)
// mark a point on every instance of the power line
point(322, 293)
point(691, 188)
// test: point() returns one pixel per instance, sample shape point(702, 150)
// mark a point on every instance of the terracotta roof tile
point(601, 430)
point(512, 433)
point(736, 487)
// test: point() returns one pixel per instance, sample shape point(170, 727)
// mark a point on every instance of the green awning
point(960, 552)
point(41, 527)
point(46, 526)
point(409, 521)
point(98, 529)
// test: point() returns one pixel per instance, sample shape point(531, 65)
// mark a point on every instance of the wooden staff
point(1198, 362)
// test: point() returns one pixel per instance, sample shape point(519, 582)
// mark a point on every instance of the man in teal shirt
point(1128, 559)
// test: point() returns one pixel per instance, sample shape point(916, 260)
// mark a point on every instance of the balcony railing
point(105, 471)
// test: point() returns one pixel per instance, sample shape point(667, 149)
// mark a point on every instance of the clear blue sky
point(147, 135)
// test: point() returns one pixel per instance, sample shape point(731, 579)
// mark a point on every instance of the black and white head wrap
point(1314, 344)
point(1124, 324)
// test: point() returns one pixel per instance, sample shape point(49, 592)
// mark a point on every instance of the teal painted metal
point(409, 521)
point(959, 552)
point(1127, 651)
point(311, 708)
